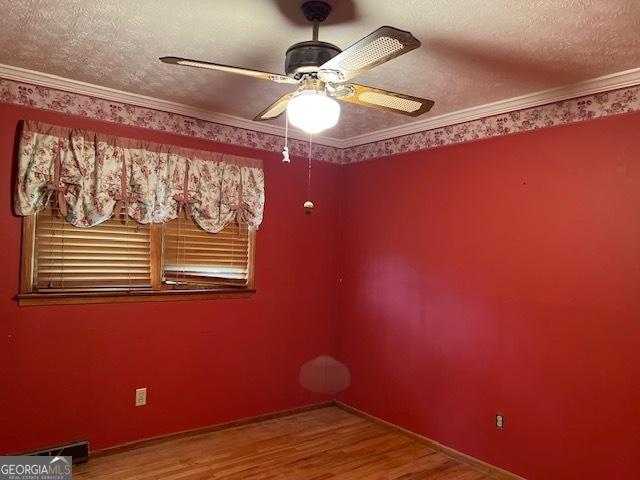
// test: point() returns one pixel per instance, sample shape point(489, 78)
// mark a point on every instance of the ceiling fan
point(323, 73)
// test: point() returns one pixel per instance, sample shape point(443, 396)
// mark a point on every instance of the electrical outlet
point(499, 420)
point(141, 396)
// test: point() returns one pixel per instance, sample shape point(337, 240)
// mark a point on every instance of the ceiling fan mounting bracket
point(316, 11)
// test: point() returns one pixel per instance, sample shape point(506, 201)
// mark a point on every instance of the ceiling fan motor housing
point(305, 57)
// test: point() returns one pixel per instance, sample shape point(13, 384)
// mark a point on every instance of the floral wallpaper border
point(579, 109)
point(26, 94)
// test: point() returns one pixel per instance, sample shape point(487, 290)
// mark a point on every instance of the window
point(122, 260)
point(115, 255)
point(192, 256)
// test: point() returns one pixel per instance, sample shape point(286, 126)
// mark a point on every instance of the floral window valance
point(91, 176)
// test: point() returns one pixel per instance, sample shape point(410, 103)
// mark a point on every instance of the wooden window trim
point(158, 293)
point(27, 254)
point(28, 299)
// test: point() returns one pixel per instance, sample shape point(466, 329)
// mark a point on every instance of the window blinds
point(192, 256)
point(117, 255)
point(114, 255)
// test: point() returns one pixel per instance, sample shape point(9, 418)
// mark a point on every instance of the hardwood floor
point(327, 443)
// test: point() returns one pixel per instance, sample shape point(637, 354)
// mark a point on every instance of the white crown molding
point(615, 81)
point(605, 83)
point(82, 88)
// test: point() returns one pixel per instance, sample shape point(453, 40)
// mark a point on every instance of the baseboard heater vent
point(78, 451)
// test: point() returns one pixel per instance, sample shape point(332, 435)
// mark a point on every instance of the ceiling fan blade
point(388, 101)
point(275, 109)
point(274, 77)
point(376, 48)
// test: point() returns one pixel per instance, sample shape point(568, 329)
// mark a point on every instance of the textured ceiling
point(473, 52)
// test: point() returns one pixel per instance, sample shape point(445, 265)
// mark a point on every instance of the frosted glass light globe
point(313, 111)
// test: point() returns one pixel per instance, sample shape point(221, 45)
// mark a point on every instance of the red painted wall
point(69, 372)
point(502, 276)
point(499, 275)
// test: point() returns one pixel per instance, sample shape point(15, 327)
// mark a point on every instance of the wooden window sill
point(68, 298)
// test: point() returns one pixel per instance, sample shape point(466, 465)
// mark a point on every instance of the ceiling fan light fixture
point(313, 111)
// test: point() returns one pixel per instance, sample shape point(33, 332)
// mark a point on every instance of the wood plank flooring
point(327, 443)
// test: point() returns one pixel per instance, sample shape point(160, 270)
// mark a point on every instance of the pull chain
point(308, 205)
point(285, 150)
